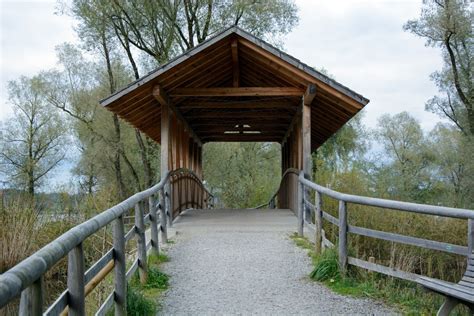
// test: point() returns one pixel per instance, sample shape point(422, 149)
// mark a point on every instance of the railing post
point(470, 236)
point(300, 205)
point(318, 221)
point(31, 302)
point(155, 245)
point(120, 277)
point(141, 243)
point(169, 203)
point(343, 236)
point(164, 219)
point(75, 281)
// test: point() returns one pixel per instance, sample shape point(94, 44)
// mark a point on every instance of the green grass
point(143, 299)
point(406, 296)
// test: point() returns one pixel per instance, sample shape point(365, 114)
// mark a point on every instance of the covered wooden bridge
point(236, 88)
point(233, 87)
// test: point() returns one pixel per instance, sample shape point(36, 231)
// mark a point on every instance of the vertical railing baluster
point(343, 236)
point(470, 236)
point(170, 203)
point(141, 243)
point(163, 220)
point(318, 221)
point(31, 302)
point(300, 205)
point(155, 245)
point(75, 281)
point(120, 277)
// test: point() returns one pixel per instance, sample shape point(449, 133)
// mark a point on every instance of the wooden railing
point(311, 215)
point(26, 278)
point(286, 195)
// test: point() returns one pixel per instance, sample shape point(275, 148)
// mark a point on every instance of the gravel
point(241, 262)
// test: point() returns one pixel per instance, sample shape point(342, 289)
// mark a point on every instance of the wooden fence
point(26, 278)
point(311, 215)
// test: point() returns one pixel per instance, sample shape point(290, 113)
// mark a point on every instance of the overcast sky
point(360, 42)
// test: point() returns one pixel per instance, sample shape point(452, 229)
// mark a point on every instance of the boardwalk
point(242, 262)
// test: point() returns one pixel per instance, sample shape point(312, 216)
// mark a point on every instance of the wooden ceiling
point(235, 87)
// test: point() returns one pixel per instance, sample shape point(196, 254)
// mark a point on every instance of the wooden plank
point(58, 306)
point(235, 63)
point(293, 123)
point(161, 96)
point(447, 288)
point(343, 236)
point(382, 269)
point(408, 240)
point(98, 265)
point(237, 92)
point(470, 238)
point(75, 281)
point(330, 218)
point(106, 306)
point(253, 104)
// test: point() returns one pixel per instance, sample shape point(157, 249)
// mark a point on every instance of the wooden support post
point(120, 277)
point(141, 243)
point(300, 205)
point(163, 220)
point(155, 244)
point(306, 141)
point(75, 281)
point(343, 236)
point(318, 220)
point(170, 203)
point(31, 302)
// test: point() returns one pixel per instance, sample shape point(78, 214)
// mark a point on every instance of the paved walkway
point(241, 262)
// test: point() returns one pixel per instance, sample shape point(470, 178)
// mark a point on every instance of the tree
point(448, 24)
point(404, 170)
point(452, 165)
point(33, 142)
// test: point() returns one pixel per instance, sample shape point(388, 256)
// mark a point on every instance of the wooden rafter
point(162, 97)
point(235, 63)
point(237, 92)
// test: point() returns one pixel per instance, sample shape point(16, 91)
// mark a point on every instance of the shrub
point(326, 266)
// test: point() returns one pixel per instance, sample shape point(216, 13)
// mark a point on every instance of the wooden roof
point(236, 87)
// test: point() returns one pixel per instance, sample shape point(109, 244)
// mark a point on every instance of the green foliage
point(448, 25)
point(156, 279)
point(138, 304)
point(242, 174)
point(326, 266)
point(154, 259)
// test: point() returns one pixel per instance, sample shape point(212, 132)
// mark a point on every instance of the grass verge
point(410, 298)
point(143, 299)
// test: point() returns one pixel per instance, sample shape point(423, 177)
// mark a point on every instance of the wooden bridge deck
point(243, 262)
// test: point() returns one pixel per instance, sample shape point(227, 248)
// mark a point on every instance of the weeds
point(410, 298)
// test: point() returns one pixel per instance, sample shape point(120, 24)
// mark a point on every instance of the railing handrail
point(29, 270)
point(390, 204)
point(283, 176)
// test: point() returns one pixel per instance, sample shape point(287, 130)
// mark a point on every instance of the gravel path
point(241, 262)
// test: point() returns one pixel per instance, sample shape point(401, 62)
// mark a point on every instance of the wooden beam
point(235, 63)
point(261, 115)
point(292, 124)
point(236, 92)
point(162, 97)
point(290, 104)
point(309, 94)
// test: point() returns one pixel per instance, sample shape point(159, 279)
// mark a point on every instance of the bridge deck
point(243, 262)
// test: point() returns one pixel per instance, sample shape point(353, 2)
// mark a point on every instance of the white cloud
point(29, 33)
point(363, 45)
